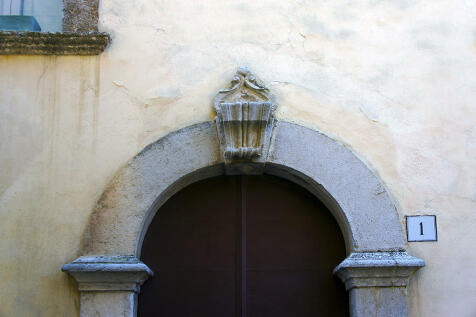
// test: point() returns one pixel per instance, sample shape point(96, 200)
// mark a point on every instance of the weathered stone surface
point(108, 304)
point(393, 80)
point(126, 208)
point(111, 273)
point(377, 282)
point(80, 15)
point(378, 302)
point(36, 43)
point(356, 197)
point(108, 285)
point(377, 269)
point(245, 118)
point(81, 37)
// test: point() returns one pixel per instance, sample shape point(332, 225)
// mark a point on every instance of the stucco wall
point(393, 80)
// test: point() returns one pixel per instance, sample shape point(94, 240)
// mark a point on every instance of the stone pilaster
point(377, 282)
point(108, 286)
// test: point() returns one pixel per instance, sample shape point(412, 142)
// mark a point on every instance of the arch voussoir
point(376, 271)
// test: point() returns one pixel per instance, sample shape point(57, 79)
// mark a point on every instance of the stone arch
point(357, 198)
point(377, 261)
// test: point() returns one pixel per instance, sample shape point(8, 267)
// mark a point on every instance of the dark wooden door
point(243, 246)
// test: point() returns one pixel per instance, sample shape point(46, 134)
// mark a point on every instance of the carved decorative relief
point(245, 118)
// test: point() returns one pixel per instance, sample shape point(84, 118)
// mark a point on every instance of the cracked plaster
point(399, 91)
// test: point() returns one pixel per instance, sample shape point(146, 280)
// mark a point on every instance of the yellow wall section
point(393, 80)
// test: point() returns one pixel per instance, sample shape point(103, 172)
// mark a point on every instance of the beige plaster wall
point(394, 80)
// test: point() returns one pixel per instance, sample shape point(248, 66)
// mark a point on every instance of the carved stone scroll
point(245, 118)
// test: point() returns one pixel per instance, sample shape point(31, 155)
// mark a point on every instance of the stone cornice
point(377, 269)
point(108, 273)
point(37, 43)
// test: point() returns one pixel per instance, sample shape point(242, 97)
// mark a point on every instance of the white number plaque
point(421, 228)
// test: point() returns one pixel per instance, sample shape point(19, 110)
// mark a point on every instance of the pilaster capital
point(108, 273)
point(377, 269)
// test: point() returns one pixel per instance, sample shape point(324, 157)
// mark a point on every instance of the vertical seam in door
point(238, 245)
point(243, 245)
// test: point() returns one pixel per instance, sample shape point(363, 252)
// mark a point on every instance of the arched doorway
point(376, 270)
point(253, 246)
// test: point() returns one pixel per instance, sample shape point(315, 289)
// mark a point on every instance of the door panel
point(293, 244)
point(190, 247)
point(252, 246)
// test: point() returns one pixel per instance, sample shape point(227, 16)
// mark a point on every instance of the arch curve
point(355, 196)
point(376, 271)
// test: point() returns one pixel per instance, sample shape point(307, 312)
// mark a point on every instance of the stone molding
point(80, 34)
point(376, 272)
point(245, 117)
point(377, 282)
point(377, 269)
point(111, 273)
point(37, 43)
point(355, 196)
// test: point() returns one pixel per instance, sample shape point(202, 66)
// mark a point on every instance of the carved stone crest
point(245, 118)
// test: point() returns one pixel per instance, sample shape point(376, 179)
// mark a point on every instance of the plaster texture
point(393, 81)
